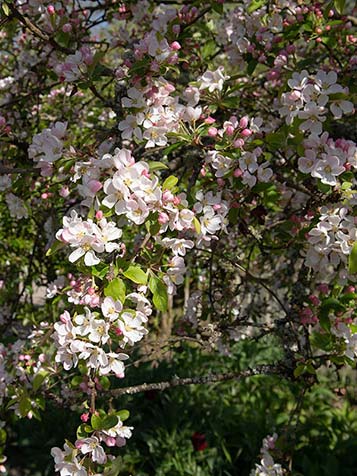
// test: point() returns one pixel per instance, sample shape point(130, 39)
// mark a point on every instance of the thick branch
point(205, 379)
point(17, 170)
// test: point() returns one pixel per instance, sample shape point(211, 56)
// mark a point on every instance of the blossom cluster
point(76, 65)
point(47, 147)
point(90, 337)
point(71, 460)
point(309, 97)
point(326, 159)
point(330, 241)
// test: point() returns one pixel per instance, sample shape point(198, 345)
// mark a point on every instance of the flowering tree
point(171, 173)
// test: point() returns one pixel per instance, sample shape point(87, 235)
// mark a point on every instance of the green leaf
point(39, 379)
point(76, 381)
point(171, 148)
point(100, 271)
point(114, 468)
point(83, 430)
point(57, 245)
point(332, 303)
point(24, 405)
point(2, 437)
point(217, 7)
point(352, 259)
point(255, 4)
point(226, 452)
point(159, 291)
point(105, 382)
point(276, 139)
point(169, 183)
point(136, 274)
point(197, 225)
point(103, 422)
point(123, 414)
point(156, 165)
point(251, 66)
point(6, 9)
point(116, 289)
point(300, 369)
point(325, 320)
point(96, 421)
point(339, 5)
point(109, 421)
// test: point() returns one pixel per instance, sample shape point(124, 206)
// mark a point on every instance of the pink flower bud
point(94, 302)
point(210, 120)
point(246, 132)
point(229, 130)
point(44, 196)
point(203, 172)
point(239, 143)
point(167, 196)
point(51, 10)
point(163, 218)
point(110, 441)
point(175, 45)
point(350, 289)
point(67, 27)
point(84, 418)
point(323, 288)
point(314, 300)
point(118, 331)
point(99, 215)
point(212, 131)
point(237, 173)
point(243, 123)
point(64, 192)
point(65, 317)
point(176, 201)
point(220, 182)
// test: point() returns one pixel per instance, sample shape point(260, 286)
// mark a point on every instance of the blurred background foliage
point(216, 429)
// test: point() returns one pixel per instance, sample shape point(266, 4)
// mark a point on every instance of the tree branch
point(279, 369)
point(37, 32)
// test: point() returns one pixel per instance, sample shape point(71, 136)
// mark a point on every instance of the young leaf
point(109, 421)
point(197, 225)
point(116, 289)
point(38, 380)
point(123, 414)
point(136, 274)
point(169, 183)
point(352, 259)
point(159, 291)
